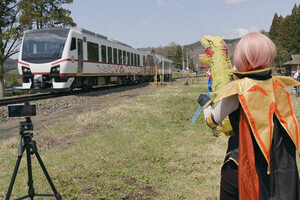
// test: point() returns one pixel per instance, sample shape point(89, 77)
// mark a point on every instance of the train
point(61, 59)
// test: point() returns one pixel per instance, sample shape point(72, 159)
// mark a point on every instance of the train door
point(80, 56)
point(144, 64)
point(151, 65)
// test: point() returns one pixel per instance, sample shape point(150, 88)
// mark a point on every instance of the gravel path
point(52, 111)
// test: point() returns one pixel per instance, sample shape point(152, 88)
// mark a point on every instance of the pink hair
point(254, 51)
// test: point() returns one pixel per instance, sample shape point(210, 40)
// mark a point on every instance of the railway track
point(21, 99)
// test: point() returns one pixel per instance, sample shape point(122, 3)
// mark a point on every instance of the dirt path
point(11, 128)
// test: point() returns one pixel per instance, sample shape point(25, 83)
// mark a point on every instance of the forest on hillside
point(285, 33)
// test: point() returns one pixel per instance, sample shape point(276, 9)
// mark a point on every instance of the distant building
point(292, 65)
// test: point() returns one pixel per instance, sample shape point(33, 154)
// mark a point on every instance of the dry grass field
point(142, 148)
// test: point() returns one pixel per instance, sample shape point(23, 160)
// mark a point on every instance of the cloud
point(235, 1)
point(160, 3)
point(238, 32)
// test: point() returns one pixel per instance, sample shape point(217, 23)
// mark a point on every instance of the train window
point(138, 58)
point(144, 60)
point(73, 44)
point(115, 51)
point(135, 59)
point(124, 57)
point(131, 58)
point(92, 51)
point(120, 56)
point(128, 58)
point(109, 53)
point(103, 53)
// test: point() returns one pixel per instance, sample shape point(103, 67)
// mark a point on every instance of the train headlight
point(55, 68)
point(54, 71)
point(26, 70)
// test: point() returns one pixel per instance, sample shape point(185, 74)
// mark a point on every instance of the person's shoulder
point(229, 89)
point(286, 81)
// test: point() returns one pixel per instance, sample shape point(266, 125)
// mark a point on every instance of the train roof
point(90, 33)
point(160, 57)
point(100, 36)
point(83, 31)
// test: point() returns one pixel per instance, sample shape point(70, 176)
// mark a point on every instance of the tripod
point(26, 143)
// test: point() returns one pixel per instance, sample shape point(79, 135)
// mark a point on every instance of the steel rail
point(21, 99)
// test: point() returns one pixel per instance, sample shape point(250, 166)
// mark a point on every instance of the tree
point(295, 30)
point(285, 33)
point(177, 60)
point(40, 13)
point(10, 34)
point(273, 33)
point(282, 54)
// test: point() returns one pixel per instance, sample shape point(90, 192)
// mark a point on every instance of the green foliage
point(12, 79)
point(274, 29)
point(10, 31)
point(39, 13)
point(282, 54)
point(177, 75)
point(177, 60)
point(285, 32)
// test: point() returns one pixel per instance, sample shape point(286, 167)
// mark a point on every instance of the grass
point(142, 148)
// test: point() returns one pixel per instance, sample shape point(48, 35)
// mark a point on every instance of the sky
point(154, 23)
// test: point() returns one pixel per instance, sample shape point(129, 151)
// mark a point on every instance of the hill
point(10, 64)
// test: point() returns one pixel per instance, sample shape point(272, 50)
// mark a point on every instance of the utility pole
point(187, 61)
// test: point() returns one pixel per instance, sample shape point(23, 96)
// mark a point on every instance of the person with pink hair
point(260, 162)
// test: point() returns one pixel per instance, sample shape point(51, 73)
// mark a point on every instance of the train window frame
point(120, 56)
point(131, 58)
point(109, 55)
point(92, 51)
point(134, 58)
point(73, 44)
point(115, 55)
point(103, 53)
point(138, 59)
point(128, 58)
point(144, 60)
point(124, 58)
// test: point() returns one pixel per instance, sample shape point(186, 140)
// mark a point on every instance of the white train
point(64, 59)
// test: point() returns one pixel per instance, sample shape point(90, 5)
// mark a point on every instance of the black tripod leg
point(13, 178)
point(34, 149)
point(31, 192)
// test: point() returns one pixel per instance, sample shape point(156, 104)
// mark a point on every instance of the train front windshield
point(44, 46)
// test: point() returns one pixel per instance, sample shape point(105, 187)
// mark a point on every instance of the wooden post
point(155, 78)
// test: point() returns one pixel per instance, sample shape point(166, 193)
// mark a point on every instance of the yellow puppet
point(217, 57)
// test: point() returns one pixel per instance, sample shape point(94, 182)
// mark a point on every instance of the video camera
point(21, 110)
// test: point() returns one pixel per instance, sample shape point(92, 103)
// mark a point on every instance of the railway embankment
point(58, 109)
